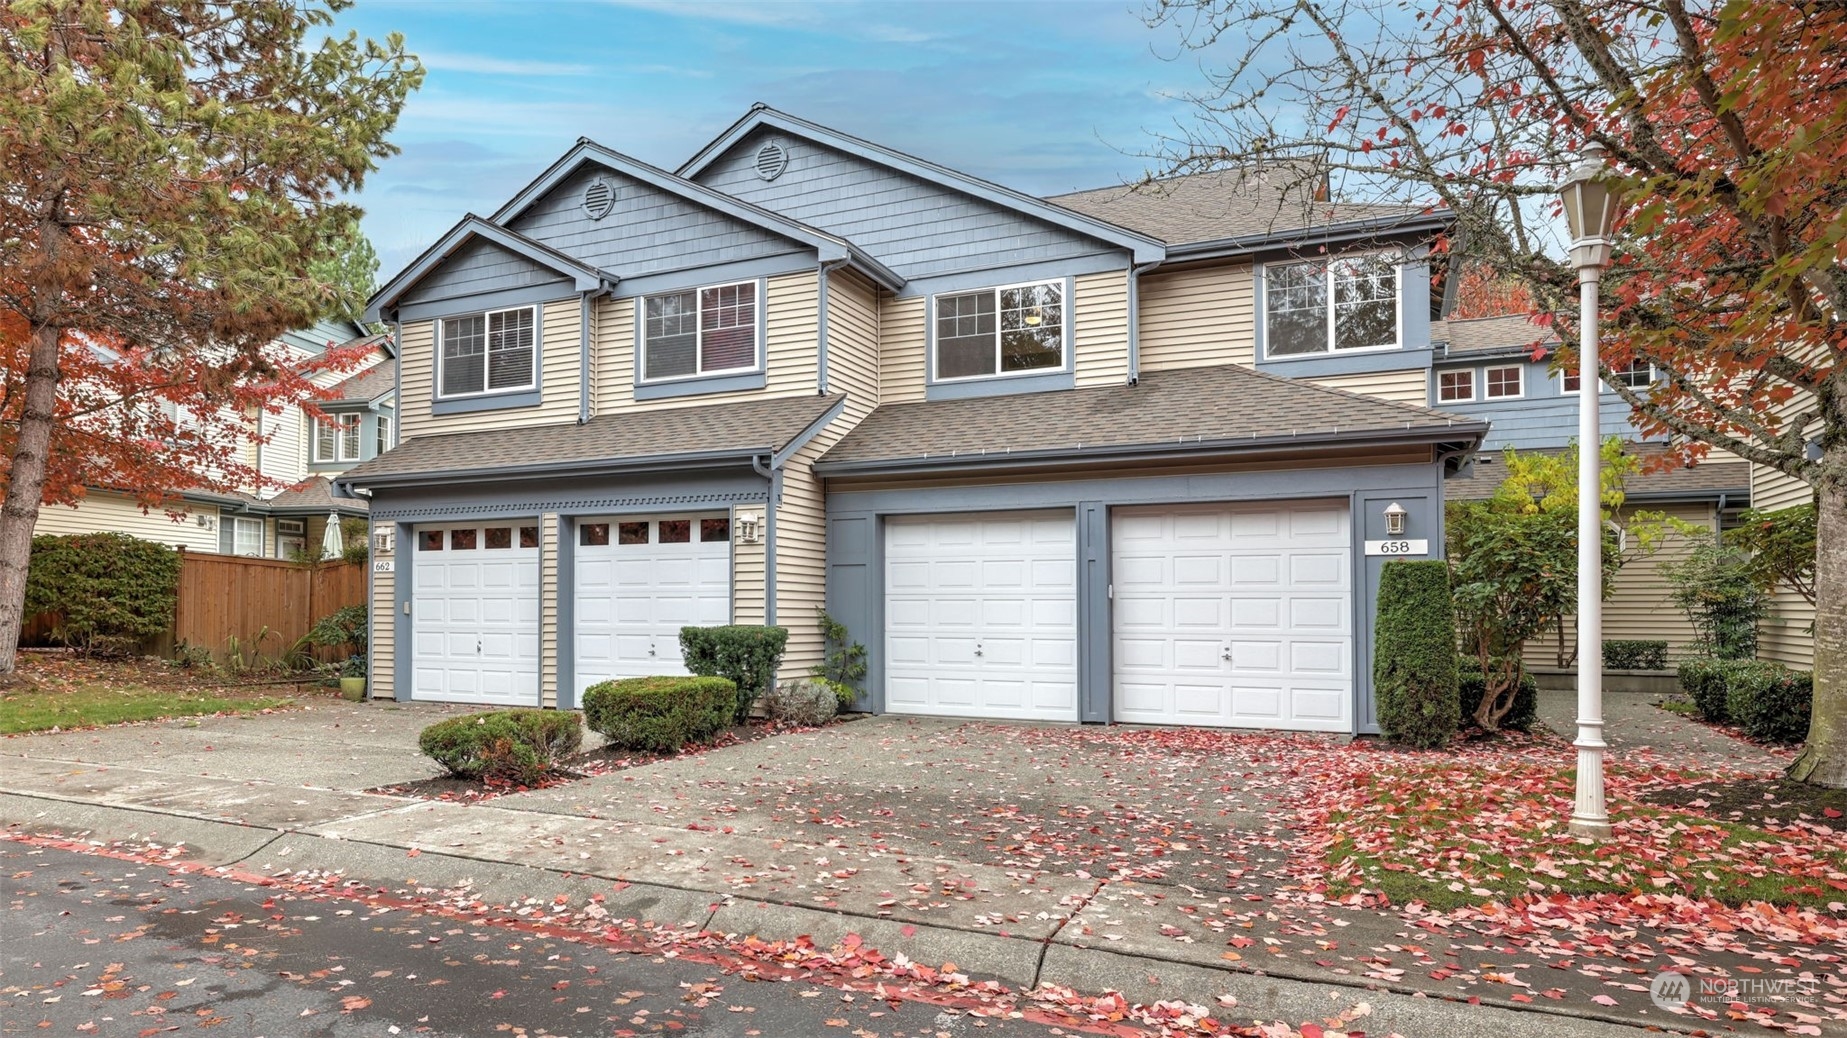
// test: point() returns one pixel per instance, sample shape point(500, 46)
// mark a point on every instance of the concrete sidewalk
point(1020, 853)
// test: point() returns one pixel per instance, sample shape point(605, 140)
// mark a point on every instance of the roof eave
point(1244, 244)
point(1462, 434)
point(1144, 248)
point(557, 470)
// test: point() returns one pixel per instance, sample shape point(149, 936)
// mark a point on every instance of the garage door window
point(499, 537)
point(430, 540)
point(592, 534)
point(462, 540)
point(676, 531)
point(634, 533)
point(714, 530)
point(529, 537)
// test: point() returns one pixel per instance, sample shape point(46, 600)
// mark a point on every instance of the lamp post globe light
point(1590, 203)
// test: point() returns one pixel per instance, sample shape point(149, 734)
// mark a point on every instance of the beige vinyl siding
point(383, 645)
point(801, 552)
point(853, 340)
point(791, 326)
point(548, 609)
point(285, 456)
point(1196, 317)
point(903, 343)
point(1639, 607)
point(103, 512)
point(747, 597)
point(1404, 387)
point(1100, 328)
point(560, 329)
point(1785, 633)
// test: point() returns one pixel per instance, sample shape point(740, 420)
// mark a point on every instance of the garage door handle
point(1225, 654)
point(650, 650)
point(978, 650)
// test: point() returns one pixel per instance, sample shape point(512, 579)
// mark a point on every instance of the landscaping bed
point(62, 690)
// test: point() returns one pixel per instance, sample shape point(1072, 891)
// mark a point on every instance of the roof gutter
point(1467, 434)
point(560, 469)
point(1248, 243)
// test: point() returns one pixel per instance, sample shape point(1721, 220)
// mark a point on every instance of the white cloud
point(487, 65)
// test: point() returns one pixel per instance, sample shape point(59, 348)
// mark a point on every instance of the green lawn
point(88, 706)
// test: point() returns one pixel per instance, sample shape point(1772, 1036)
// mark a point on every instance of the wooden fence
point(262, 606)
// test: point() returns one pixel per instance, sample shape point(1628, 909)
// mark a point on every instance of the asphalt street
point(94, 945)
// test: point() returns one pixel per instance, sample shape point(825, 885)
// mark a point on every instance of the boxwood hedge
point(660, 714)
point(520, 747)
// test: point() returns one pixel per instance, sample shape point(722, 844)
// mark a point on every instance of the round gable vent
point(599, 199)
point(772, 159)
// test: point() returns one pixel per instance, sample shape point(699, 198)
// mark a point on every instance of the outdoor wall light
point(750, 527)
point(382, 542)
point(1394, 519)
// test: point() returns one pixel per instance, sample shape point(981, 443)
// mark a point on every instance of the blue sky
point(1040, 95)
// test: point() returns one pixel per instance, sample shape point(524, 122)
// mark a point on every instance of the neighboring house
point(1037, 455)
point(1500, 369)
point(301, 451)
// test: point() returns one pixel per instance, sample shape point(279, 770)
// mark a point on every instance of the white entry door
point(981, 616)
point(638, 581)
point(1236, 616)
point(475, 613)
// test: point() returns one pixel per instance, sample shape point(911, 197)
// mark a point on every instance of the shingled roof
point(1230, 203)
point(365, 386)
point(1511, 333)
point(1707, 479)
point(752, 426)
point(1219, 409)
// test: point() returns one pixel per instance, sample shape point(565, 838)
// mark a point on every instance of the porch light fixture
point(1591, 202)
point(750, 527)
point(382, 542)
point(1394, 519)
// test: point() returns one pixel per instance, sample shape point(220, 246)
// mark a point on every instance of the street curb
point(1018, 961)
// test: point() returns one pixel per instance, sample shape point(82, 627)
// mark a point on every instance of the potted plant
point(353, 679)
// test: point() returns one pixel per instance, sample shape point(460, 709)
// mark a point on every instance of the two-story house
point(296, 450)
point(1090, 458)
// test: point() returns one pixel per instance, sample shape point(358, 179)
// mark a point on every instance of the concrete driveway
point(1160, 862)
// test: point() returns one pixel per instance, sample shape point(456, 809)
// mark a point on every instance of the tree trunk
point(1824, 757)
point(25, 488)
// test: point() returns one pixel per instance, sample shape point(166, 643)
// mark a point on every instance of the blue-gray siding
point(1543, 417)
point(481, 267)
point(917, 228)
point(647, 231)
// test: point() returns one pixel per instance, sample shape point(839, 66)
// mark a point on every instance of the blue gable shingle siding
point(918, 229)
point(1544, 417)
point(479, 268)
point(646, 231)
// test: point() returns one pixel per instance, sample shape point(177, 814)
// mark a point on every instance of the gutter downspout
point(772, 472)
point(821, 273)
point(583, 357)
point(397, 376)
point(1135, 320)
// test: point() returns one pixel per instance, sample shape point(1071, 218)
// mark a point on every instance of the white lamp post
point(1590, 210)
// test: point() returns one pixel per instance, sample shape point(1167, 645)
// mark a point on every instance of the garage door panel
point(649, 578)
point(474, 618)
point(981, 616)
point(1239, 617)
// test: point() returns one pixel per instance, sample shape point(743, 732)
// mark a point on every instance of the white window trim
point(1263, 315)
point(337, 422)
point(538, 341)
point(1470, 372)
point(239, 523)
point(758, 333)
point(1520, 391)
point(1602, 386)
point(381, 433)
point(1066, 324)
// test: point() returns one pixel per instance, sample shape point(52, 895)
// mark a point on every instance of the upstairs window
point(1505, 383)
point(1327, 306)
point(1456, 386)
point(1637, 374)
point(336, 438)
point(707, 331)
point(491, 352)
point(383, 435)
point(1000, 331)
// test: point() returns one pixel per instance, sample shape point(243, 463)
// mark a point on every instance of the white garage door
point(981, 616)
point(475, 613)
point(1236, 616)
point(638, 581)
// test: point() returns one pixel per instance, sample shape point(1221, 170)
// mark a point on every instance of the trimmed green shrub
point(520, 747)
point(661, 714)
point(747, 655)
point(1768, 700)
point(1621, 654)
point(109, 590)
point(1471, 686)
point(344, 626)
point(1703, 679)
point(811, 702)
point(1414, 654)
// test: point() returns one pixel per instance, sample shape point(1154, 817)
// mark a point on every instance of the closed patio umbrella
point(332, 544)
